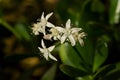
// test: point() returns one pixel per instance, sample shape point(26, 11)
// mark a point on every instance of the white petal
point(55, 38)
point(43, 30)
point(63, 38)
point(36, 33)
point(48, 15)
point(76, 30)
point(42, 17)
point(43, 45)
point(49, 24)
point(41, 50)
point(72, 40)
point(51, 48)
point(60, 29)
point(68, 24)
point(81, 42)
point(46, 54)
point(52, 57)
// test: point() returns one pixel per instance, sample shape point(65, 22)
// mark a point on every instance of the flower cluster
point(66, 34)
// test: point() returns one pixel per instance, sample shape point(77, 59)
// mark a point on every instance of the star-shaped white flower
point(46, 51)
point(40, 26)
point(67, 33)
point(80, 38)
point(55, 33)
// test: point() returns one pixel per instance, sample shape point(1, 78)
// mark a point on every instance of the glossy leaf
point(100, 56)
point(86, 51)
point(70, 57)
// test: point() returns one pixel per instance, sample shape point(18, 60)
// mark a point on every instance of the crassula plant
point(62, 34)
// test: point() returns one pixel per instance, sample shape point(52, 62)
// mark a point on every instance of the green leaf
point(50, 74)
point(103, 71)
point(112, 11)
point(63, 55)
point(100, 56)
point(70, 57)
point(86, 51)
point(71, 71)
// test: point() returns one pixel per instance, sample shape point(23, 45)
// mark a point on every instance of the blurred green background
point(19, 55)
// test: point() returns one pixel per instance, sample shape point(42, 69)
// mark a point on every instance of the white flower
point(54, 33)
point(67, 33)
point(46, 51)
point(40, 26)
point(80, 36)
point(36, 28)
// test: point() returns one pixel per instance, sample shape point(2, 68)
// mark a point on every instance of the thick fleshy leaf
point(70, 57)
point(63, 55)
point(71, 71)
point(86, 51)
point(101, 54)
